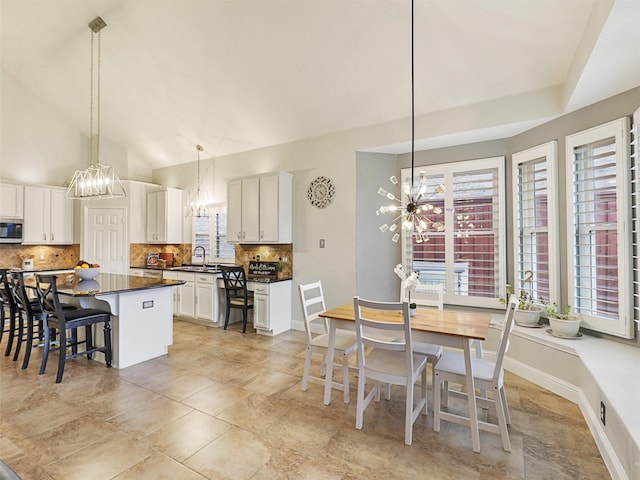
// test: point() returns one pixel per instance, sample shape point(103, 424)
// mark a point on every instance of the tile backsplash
point(44, 256)
point(280, 252)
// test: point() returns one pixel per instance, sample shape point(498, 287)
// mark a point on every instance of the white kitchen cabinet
point(259, 209)
point(11, 200)
point(197, 298)
point(48, 216)
point(271, 306)
point(146, 272)
point(164, 216)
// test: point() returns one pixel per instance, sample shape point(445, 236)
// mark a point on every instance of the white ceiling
point(237, 75)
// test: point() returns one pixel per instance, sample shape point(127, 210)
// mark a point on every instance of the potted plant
point(564, 323)
point(528, 312)
point(409, 282)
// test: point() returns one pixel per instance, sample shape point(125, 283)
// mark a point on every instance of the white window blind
point(468, 256)
point(535, 238)
point(211, 233)
point(635, 212)
point(599, 273)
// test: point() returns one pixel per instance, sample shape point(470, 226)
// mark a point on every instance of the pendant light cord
point(413, 112)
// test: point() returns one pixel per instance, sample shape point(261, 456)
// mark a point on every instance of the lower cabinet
point(271, 306)
point(195, 299)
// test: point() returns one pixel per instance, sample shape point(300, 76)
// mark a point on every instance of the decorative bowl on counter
point(87, 273)
point(87, 286)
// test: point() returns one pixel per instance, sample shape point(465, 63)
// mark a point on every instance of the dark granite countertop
point(108, 283)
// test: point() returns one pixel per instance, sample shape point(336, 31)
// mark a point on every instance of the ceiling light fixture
point(414, 213)
point(197, 203)
point(97, 181)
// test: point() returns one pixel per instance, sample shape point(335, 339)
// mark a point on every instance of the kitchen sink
point(197, 268)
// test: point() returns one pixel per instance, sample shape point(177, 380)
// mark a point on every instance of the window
point(599, 233)
point(211, 233)
point(635, 205)
point(535, 223)
point(468, 256)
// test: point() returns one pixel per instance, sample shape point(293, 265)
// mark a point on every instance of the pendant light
point(97, 181)
point(197, 201)
point(415, 214)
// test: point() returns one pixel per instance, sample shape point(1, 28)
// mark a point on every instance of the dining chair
point(56, 318)
point(388, 361)
point(8, 312)
point(237, 295)
point(487, 375)
point(312, 301)
point(30, 319)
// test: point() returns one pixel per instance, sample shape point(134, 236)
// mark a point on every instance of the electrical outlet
point(603, 413)
point(322, 243)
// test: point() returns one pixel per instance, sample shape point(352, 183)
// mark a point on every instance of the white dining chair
point(427, 296)
point(312, 300)
point(387, 359)
point(487, 375)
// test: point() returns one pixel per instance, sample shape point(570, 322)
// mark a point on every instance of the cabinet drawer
point(205, 278)
point(260, 288)
point(170, 275)
point(186, 276)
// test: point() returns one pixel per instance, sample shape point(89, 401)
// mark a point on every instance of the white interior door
point(104, 239)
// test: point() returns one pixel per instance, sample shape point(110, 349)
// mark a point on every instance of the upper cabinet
point(11, 200)
point(164, 216)
point(259, 209)
point(48, 216)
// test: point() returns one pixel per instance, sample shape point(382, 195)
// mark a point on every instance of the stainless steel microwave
point(10, 230)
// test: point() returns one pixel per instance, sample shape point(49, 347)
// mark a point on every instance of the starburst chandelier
point(416, 212)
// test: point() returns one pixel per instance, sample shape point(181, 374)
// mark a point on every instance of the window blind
point(635, 213)
point(600, 273)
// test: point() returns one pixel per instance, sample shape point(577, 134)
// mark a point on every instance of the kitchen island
point(141, 312)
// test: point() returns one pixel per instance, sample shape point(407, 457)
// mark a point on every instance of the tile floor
point(223, 405)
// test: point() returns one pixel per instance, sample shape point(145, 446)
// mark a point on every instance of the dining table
point(449, 328)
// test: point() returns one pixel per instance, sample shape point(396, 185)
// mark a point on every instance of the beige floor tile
point(236, 455)
point(159, 467)
point(150, 416)
point(216, 398)
point(186, 435)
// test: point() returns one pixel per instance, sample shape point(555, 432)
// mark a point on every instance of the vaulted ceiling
point(237, 75)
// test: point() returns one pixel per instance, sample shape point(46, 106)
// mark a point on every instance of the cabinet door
point(11, 201)
point(161, 216)
point(37, 207)
point(152, 216)
point(234, 211)
point(172, 215)
point(251, 210)
point(269, 208)
point(204, 301)
point(186, 297)
point(61, 217)
point(261, 311)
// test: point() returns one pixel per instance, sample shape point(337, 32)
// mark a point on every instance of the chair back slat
point(507, 327)
point(312, 300)
point(47, 291)
point(385, 335)
point(5, 289)
point(426, 296)
point(20, 297)
point(235, 281)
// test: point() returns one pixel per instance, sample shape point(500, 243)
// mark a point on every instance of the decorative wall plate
point(321, 192)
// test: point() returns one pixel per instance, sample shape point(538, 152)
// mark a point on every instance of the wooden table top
point(473, 325)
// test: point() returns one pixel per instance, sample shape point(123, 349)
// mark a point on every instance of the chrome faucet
point(204, 255)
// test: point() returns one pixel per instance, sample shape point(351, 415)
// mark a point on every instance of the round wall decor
point(321, 192)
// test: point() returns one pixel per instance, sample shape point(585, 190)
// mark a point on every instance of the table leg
point(328, 379)
point(473, 413)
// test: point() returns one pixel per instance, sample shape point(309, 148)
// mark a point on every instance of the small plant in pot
point(564, 323)
point(528, 312)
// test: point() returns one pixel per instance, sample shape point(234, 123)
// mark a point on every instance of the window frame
point(213, 210)
point(549, 152)
point(449, 170)
point(619, 131)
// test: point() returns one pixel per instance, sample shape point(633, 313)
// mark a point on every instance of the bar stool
point(29, 314)
point(56, 318)
point(9, 311)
